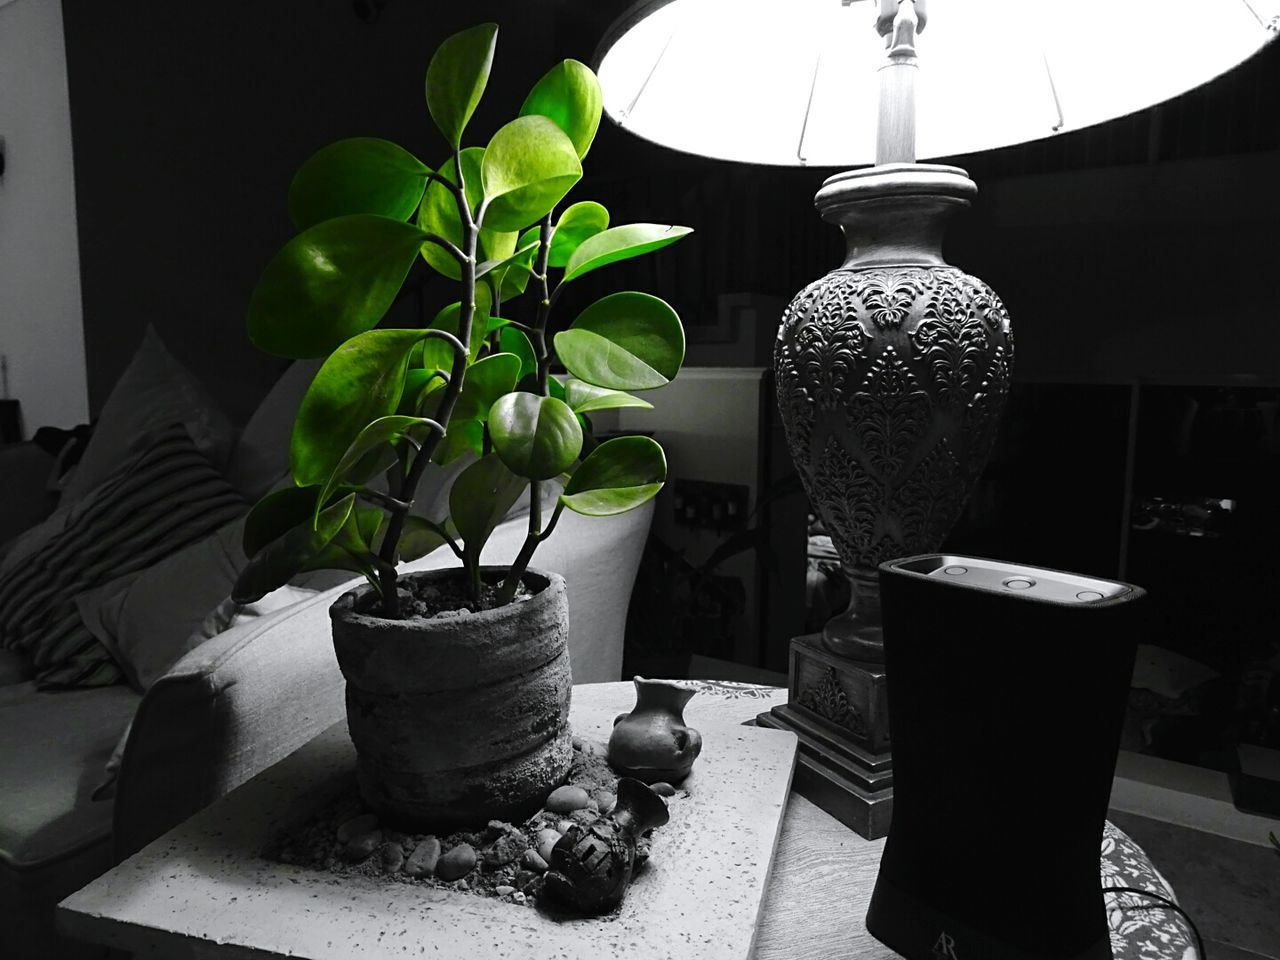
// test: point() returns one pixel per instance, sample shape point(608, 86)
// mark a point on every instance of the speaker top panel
point(1001, 577)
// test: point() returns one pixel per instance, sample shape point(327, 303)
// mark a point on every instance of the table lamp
point(891, 370)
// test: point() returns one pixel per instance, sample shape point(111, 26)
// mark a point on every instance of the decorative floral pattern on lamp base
point(838, 708)
point(891, 374)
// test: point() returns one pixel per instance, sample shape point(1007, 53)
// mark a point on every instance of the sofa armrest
point(229, 709)
point(598, 558)
point(25, 468)
point(249, 697)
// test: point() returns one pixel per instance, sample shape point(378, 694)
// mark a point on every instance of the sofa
point(232, 704)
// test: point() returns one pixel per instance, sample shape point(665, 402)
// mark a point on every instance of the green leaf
point(418, 539)
point(281, 559)
point(438, 214)
point(356, 467)
point(462, 437)
point(588, 398)
point(456, 78)
point(515, 276)
point(618, 475)
point(578, 222)
point(437, 354)
point(516, 342)
point(480, 497)
point(568, 94)
point(416, 382)
point(528, 167)
point(536, 437)
point(519, 255)
point(360, 382)
point(359, 175)
point(276, 514)
point(625, 341)
point(621, 243)
point(486, 381)
point(329, 283)
point(368, 522)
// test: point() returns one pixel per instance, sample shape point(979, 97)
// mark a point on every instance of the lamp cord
point(1164, 904)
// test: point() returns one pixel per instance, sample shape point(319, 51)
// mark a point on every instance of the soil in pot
point(441, 599)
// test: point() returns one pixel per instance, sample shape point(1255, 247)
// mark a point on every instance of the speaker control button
point(1019, 583)
point(955, 571)
point(1088, 595)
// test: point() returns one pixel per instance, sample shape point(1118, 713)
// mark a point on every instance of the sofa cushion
point(261, 456)
point(14, 668)
point(145, 620)
point(154, 390)
point(52, 751)
point(167, 497)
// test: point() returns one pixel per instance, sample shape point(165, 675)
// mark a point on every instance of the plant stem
point(382, 499)
point(521, 563)
point(395, 526)
point(538, 337)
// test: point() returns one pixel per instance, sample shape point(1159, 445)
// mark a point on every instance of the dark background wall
point(1140, 250)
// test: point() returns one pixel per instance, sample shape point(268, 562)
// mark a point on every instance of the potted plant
point(463, 717)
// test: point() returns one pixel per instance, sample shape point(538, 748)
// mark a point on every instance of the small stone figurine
point(652, 743)
point(591, 865)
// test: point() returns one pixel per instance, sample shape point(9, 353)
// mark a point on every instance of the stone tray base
point(203, 890)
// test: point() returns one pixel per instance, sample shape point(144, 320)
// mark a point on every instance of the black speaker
point(1007, 686)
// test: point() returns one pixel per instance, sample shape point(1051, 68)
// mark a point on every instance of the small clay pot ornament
point(652, 743)
point(591, 865)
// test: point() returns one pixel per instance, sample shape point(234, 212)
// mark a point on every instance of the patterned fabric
point(734, 690)
point(165, 498)
point(1141, 928)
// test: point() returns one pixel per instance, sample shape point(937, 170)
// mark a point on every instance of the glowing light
point(794, 81)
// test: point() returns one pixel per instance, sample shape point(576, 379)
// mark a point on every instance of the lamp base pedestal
point(839, 710)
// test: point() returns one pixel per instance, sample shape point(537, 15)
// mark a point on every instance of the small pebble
point(503, 890)
point(606, 802)
point(505, 850)
point(494, 830)
point(577, 743)
point(663, 789)
point(532, 860)
point(546, 840)
point(518, 897)
point(463, 885)
point(422, 862)
point(392, 857)
point(457, 863)
point(361, 845)
point(356, 826)
point(567, 799)
point(593, 749)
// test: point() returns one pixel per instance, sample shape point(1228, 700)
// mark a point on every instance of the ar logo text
point(945, 948)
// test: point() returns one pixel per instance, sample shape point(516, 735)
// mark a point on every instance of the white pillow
point(154, 390)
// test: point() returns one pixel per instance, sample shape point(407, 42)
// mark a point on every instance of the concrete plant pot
point(463, 718)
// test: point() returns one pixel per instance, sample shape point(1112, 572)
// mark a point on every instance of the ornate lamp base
point(839, 709)
point(857, 632)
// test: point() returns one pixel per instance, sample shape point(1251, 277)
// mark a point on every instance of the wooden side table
point(814, 902)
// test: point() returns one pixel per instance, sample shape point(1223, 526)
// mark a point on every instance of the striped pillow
point(164, 498)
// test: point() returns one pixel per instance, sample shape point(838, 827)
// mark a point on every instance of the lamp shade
point(793, 82)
